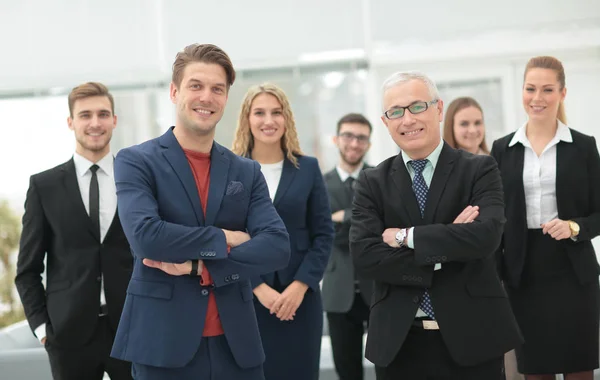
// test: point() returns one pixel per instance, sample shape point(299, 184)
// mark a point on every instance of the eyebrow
point(90, 111)
point(262, 109)
point(416, 101)
point(544, 85)
point(193, 80)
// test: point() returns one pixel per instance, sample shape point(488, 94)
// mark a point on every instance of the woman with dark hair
point(464, 127)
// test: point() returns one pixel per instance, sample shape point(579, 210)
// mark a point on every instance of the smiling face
point(542, 94)
point(93, 123)
point(469, 129)
point(200, 98)
point(267, 123)
point(417, 135)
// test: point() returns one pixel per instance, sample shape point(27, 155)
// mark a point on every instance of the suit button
point(404, 277)
point(444, 258)
point(416, 299)
point(227, 278)
point(214, 254)
point(428, 259)
point(204, 292)
point(235, 277)
point(420, 279)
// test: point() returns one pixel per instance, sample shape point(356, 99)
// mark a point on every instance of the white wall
point(63, 42)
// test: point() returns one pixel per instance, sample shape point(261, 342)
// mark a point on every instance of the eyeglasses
point(415, 108)
point(348, 137)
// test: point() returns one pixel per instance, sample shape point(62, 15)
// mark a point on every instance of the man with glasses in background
point(438, 309)
point(346, 297)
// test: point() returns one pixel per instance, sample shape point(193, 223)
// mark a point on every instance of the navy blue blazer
point(302, 202)
point(161, 214)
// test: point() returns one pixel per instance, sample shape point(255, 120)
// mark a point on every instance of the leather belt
point(103, 310)
point(426, 324)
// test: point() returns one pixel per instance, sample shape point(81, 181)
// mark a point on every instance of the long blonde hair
point(551, 63)
point(243, 142)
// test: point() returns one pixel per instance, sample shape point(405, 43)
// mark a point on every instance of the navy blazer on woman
point(302, 203)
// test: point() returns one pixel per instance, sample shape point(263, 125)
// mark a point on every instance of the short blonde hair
point(243, 141)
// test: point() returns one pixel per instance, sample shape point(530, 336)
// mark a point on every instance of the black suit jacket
point(57, 226)
point(577, 198)
point(471, 306)
point(338, 282)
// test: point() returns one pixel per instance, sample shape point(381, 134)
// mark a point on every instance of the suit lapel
point(443, 168)
point(402, 180)
point(178, 161)
point(219, 169)
point(336, 190)
point(566, 155)
point(514, 162)
point(74, 194)
point(287, 176)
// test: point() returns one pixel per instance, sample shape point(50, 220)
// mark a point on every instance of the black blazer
point(471, 306)
point(577, 197)
point(338, 282)
point(56, 226)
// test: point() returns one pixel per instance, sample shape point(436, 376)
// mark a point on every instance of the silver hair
point(405, 76)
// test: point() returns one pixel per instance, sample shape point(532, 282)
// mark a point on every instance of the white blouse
point(272, 173)
point(539, 176)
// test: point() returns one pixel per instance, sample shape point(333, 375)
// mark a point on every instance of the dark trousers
point(90, 361)
point(213, 361)
point(424, 356)
point(346, 332)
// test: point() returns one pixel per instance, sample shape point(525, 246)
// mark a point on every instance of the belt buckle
point(430, 325)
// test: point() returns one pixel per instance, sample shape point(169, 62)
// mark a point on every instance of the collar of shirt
point(433, 157)
point(563, 133)
point(82, 164)
point(344, 174)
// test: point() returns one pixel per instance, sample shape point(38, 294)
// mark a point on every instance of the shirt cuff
point(409, 240)
point(437, 266)
point(40, 332)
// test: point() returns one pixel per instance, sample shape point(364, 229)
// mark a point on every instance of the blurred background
point(330, 57)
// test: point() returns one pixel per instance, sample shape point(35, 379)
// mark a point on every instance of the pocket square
point(234, 187)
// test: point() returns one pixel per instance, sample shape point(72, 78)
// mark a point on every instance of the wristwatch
point(194, 271)
point(400, 236)
point(574, 227)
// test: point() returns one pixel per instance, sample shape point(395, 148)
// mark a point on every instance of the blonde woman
point(551, 178)
point(288, 302)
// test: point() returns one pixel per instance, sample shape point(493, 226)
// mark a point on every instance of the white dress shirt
point(344, 174)
point(108, 203)
point(539, 176)
point(428, 172)
point(272, 174)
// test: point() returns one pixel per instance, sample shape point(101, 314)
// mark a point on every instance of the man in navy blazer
point(200, 223)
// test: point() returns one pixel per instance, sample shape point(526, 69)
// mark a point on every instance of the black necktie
point(349, 184)
point(95, 199)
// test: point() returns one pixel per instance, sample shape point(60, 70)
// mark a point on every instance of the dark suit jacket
point(577, 197)
point(162, 216)
point(338, 282)
point(301, 202)
point(57, 226)
point(471, 307)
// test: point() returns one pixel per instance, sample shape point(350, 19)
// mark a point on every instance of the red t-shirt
point(200, 164)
